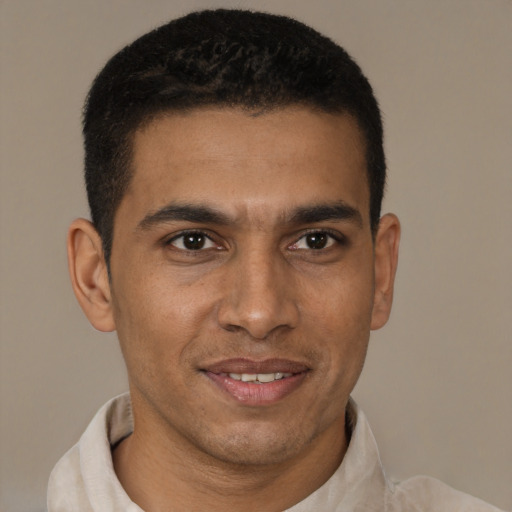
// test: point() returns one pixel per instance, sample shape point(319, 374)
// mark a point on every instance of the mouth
point(259, 378)
point(256, 382)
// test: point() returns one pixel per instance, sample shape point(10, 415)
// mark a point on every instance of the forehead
point(240, 162)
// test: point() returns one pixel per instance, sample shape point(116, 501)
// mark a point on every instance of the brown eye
point(317, 240)
point(192, 241)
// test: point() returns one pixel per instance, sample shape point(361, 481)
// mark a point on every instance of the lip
point(245, 365)
point(251, 393)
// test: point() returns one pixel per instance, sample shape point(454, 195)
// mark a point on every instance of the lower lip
point(251, 393)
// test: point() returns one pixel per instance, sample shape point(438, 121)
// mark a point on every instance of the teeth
point(260, 377)
point(266, 377)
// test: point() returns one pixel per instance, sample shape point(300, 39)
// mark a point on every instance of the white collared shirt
point(84, 479)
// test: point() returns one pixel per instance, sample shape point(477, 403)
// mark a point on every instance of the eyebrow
point(201, 214)
point(187, 212)
point(340, 211)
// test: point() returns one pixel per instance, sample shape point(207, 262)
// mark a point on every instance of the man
point(235, 172)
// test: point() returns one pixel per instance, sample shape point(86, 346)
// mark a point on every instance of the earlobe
point(89, 276)
point(387, 242)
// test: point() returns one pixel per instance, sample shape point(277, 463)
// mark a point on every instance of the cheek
point(156, 320)
point(342, 304)
point(339, 320)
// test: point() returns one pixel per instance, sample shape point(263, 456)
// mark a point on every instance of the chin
point(249, 447)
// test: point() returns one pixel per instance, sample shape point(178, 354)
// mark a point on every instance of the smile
point(259, 378)
point(256, 383)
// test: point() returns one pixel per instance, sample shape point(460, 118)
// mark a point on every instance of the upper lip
point(244, 365)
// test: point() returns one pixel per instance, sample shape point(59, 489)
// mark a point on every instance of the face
point(243, 280)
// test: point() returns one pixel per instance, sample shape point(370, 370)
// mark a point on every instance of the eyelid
point(338, 237)
point(168, 241)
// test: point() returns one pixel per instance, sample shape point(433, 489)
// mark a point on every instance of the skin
point(258, 288)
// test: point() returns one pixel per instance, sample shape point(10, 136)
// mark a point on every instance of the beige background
point(438, 382)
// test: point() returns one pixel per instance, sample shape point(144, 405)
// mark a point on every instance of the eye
point(192, 241)
point(316, 240)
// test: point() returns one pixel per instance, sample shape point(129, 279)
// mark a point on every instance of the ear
point(387, 241)
point(89, 276)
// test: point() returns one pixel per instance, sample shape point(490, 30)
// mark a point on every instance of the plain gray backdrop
point(437, 386)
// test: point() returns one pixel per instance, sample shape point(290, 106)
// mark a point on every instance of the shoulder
point(84, 478)
point(425, 494)
point(66, 490)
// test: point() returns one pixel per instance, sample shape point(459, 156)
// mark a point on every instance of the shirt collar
point(359, 484)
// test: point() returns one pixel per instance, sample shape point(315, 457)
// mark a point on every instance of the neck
point(161, 472)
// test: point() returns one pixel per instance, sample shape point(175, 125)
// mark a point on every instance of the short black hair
point(226, 58)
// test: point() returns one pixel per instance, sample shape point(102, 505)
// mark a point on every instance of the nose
point(260, 296)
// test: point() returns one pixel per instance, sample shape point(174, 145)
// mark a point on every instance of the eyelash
point(189, 232)
point(338, 238)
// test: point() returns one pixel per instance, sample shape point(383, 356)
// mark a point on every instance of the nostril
point(232, 328)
